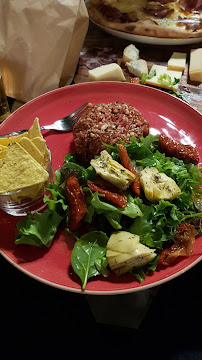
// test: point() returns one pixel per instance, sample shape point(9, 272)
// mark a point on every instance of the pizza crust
point(147, 27)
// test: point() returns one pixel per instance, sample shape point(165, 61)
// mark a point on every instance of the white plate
point(148, 39)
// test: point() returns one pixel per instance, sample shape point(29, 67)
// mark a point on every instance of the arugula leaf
point(150, 142)
point(72, 157)
point(142, 151)
point(89, 256)
point(131, 210)
point(114, 214)
point(158, 223)
point(101, 265)
point(143, 226)
point(58, 201)
point(91, 173)
point(114, 219)
point(101, 206)
point(71, 167)
point(187, 177)
point(90, 208)
point(38, 229)
point(68, 167)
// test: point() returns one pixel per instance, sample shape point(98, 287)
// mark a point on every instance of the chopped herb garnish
point(165, 79)
point(176, 81)
point(144, 76)
point(151, 74)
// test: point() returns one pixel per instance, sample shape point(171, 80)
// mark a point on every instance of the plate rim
point(151, 88)
point(99, 292)
point(148, 39)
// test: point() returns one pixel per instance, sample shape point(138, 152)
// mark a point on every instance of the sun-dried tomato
point(114, 195)
point(125, 161)
point(183, 246)
point(77, 203)
point(180, 151)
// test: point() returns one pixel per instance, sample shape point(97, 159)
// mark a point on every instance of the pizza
point(163, 18)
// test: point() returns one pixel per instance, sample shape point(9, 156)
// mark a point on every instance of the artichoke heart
point(158, 186)
point(112, 171)
point(124, 251)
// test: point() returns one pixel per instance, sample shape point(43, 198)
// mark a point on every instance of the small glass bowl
point(16, 203)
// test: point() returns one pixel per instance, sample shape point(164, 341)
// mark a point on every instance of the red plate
point(165, 113)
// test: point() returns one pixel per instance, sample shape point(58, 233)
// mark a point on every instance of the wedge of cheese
point(130, 53)
point(164, 78)
point(195, 67)
point(177, 61)
point(110, 72)
point(137, 67)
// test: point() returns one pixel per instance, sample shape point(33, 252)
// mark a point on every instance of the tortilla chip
point(35, 131)
point(28, 145)
point(20, 170)
point(46, 159)
point(3, 147)
point(9, 140)
point(37, 191)
point(2, 153)
point(40, 143)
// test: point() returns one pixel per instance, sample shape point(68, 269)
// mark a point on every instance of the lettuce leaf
point(158, 223)
point(114, 219)
point(114, 214)
point(141, 273)
point(56, 202)
point(38, 229)
point(142, 152)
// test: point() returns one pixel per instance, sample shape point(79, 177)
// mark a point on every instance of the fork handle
point(14, 133)
point(19, 132)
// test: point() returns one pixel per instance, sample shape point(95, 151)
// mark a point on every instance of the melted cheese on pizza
point(126, 6)
point(152, 9)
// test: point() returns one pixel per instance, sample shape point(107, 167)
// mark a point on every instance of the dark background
point(41, 322)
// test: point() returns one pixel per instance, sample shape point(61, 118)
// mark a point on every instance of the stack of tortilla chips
point(24, 161)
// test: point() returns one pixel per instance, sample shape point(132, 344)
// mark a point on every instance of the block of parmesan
point(164, 78)
point(177, 61)
point(109, 72)
point(195, 66)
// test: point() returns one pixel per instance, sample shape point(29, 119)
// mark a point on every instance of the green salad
point(151, 225)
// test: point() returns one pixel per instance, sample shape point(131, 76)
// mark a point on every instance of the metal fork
point(64, 124)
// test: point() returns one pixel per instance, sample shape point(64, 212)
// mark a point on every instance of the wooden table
point(97, 40)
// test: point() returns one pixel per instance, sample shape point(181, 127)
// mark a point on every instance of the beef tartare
point(107, 124)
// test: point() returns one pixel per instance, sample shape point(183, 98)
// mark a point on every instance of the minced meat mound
point(107, 124)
